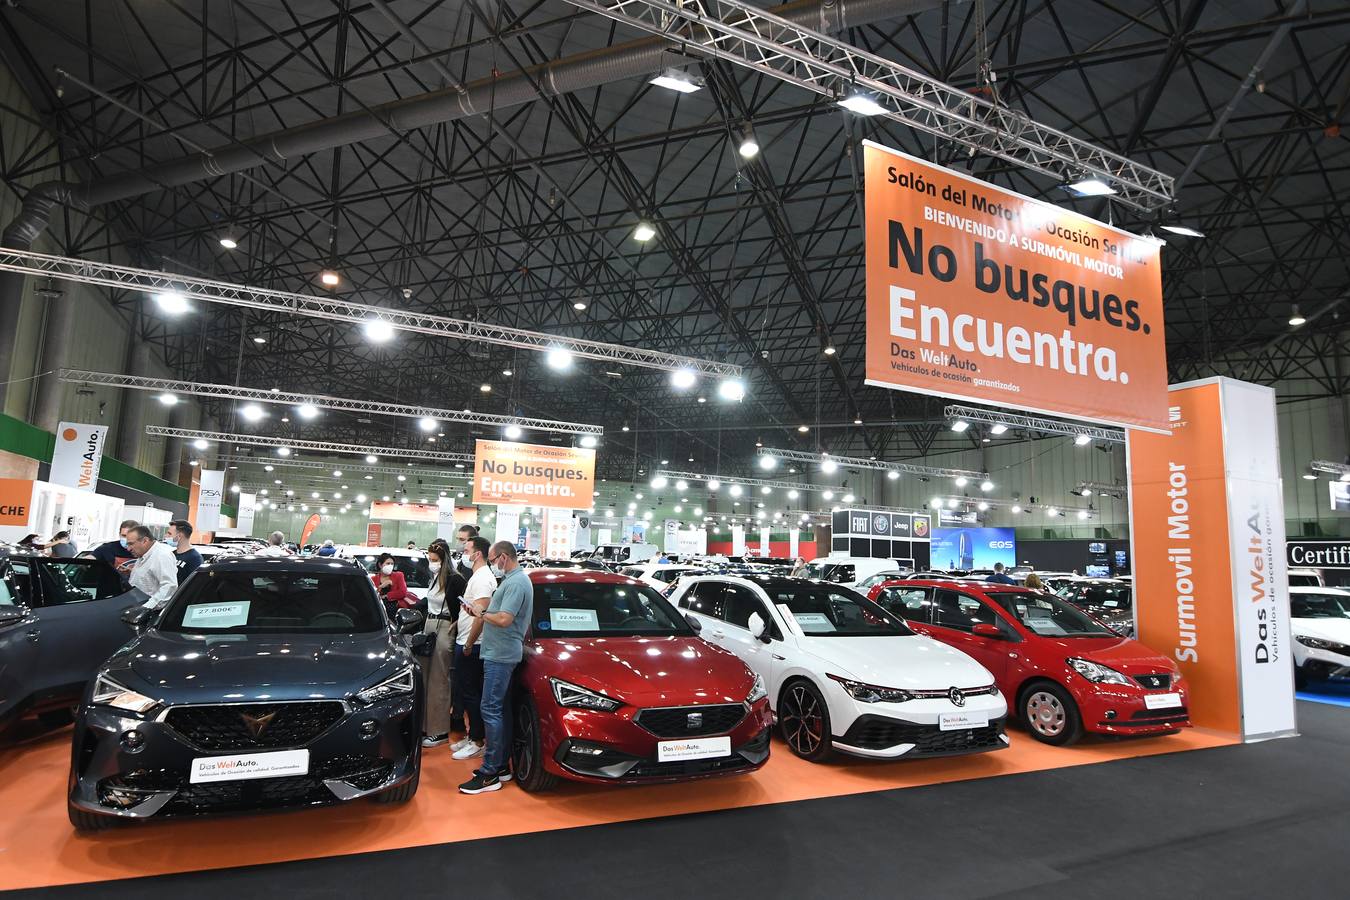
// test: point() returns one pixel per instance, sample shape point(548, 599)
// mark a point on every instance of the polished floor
point(1228, 820)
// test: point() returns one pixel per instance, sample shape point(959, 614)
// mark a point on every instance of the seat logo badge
point(957, 698)
point(256, 725)
point(694, 721)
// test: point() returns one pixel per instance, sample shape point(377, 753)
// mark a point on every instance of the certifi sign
point(533, 475)
point(979, 293)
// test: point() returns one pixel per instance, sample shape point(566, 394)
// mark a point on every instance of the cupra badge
point(256, 725)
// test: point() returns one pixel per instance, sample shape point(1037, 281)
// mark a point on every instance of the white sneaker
point(460, 744)
point(468, 751)
point(434, 740)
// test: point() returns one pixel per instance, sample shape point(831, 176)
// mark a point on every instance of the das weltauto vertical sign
point(78, 455)
point(979, 293)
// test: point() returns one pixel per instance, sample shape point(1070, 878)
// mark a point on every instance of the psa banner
point(973, 548)
point(78, 455)
point(533, 475)
point(980, 293)
point(210, 492)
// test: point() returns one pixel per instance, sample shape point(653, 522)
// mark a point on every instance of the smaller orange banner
point(15, 495)
point(311, 524)
point(533, 475)
point(374, 532)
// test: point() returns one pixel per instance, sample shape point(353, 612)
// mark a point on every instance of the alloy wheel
point(523, 739)
point(1045, 714)
point(802, 723)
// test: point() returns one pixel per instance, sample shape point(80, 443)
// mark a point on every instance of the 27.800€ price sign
point(978, 293)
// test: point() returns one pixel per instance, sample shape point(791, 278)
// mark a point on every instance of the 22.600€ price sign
point(533, 475)
point(979, 293)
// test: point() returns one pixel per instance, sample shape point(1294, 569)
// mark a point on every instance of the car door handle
point(34, 634)
point(719, 634)
point(777, 657)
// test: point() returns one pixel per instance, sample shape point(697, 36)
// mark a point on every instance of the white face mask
point(387, 569)
point(497, 571)
point(435, 567)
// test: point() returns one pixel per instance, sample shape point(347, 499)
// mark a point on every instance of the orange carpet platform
point(38, 848)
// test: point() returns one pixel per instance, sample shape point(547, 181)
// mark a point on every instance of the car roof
point(249, 562)
point(1318, 589)
point(967, 583)
point(359, 550)
point(578, 575)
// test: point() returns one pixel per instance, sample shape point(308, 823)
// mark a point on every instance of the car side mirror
point(409, 621)
point(693, 623)
point(139, 617)
point(984, 629)
point(758, 627)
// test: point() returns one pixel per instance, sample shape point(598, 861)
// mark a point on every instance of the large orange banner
point(533, 475)
point(1183, 592)
point(978, 293)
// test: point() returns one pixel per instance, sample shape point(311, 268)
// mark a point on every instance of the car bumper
point(612, 748)
point(915, 729)
point(1113, 709)
point(350, 759)
point(1326, 663)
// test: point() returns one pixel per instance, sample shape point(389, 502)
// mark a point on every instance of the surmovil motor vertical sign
point(978, 293)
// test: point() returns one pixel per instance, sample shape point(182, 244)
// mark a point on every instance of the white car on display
point(1320, 620)
point(660, 575)
point(412, 563)
point(842, 673)
point(849, 571)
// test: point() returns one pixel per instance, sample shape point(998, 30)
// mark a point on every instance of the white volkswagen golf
point(843, 674)
point(1320, 619)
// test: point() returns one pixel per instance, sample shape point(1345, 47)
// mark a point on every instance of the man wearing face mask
point(465, 533)
point(468, 667)
point(117, 553)
point(179, 537)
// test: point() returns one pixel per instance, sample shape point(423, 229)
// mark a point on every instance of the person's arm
point(399, 591)
point(510, 608)
point(163, 574)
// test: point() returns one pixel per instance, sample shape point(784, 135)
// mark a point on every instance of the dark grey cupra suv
point(265, 682)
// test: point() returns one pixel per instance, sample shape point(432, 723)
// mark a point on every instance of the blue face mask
point(123, 542)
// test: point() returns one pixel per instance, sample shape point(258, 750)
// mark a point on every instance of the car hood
point(662, 671)
point(913, 662)
point(1120, 653)
point(1327, 629)
point(272, 666)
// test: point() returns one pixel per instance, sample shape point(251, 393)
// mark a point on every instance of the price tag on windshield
point(216, 615)
point(574, 619)
point(814, 622)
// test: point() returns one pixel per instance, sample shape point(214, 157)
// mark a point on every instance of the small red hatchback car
point(617, 686)
point(1061, 670)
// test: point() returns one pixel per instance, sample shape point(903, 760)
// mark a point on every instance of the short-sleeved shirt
point(188, 561)
point(64, 551)
point(514, 595)
point(999, 578)
point(481, 585)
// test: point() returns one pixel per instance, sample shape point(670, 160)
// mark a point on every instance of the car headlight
point(1096, 672)
point(109, 693)
point(871, 693)
point(401, 684)
point(575, 697)
point(1321, 644)
point(757, 691)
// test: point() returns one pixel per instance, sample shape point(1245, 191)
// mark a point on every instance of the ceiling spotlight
point(829, 466)
point(857, 420)
point(1090, 187)
point(951, 503)
point(935, 503)
point(588, 441)
point(982, 506)
point(766, 490)
point(329, 278)
point(732, 390)
point(512, 432)
point(1082, 514)
point(960, 425)
point(998, 428)
point(676, 80)
point(172, 302)
point(1052, 512)
point(228, 243)
point(1296, 318)
point(168, 399)
point(767, 462)
point(862, 104)
point(749, 148)
point(803, 429)
point(485, 388)
point(268, 468)
point(683, 378)
point(283, 451)
point(681, 485)
point(559, 359)
point(426, 423)
point(579, 305)
point(961, 481)
point(252, 413)
point(234, 489)
point(259, 339)
point(659, 482)
point(337, 473)
point(378, 331)
point(793, 495)
point(829, 349)
point(200, 444)
point(1016, 508)
point(1182, 230)
point(307, 410)
point(714, 484)
point(1082, 439)
point(506, 372)
point(735, 490)
point(849, 498)
point(644, 232)
point(1085, 492)
point(986, 485)
point(827, 495)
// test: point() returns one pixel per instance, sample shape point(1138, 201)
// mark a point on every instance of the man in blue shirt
point(501, 645)
point(179, 533)
point(998, 577)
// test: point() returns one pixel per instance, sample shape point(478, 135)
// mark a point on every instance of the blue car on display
point(265, 682)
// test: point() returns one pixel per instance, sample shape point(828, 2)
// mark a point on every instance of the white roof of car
point(358, 550)
point(1316, 589)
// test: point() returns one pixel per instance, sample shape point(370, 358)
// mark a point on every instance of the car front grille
point(1155, 682)
point(879, 733)
point(691, 721)
point(254, 726)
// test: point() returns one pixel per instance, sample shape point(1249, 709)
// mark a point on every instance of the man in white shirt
point(468, 671)
point(156, 568)
point(276, 545)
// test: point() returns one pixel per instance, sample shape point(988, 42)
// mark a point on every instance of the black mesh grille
point(1155, 682)
point(261, 793)
point(878, 733)
point(254, 726)
point(652, 769)
point(1152, 716)
point(675, 721)
point(361, 772)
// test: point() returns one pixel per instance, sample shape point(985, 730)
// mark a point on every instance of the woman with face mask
point(443, 594)
point(391, 584)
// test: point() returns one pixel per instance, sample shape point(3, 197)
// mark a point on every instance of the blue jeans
point(496, 715)
point(469, 689)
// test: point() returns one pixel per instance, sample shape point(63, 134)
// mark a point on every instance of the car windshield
point(565, 609)
point(414, 569)
point(7, 597)
point(1303, 579)
point(824, 611)
point(275, 602)
point(835, 573)
point(1110, 595)
point(1319, 606)
point(1048, 615)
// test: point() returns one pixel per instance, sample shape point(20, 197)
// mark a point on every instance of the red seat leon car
point(1062, 671)
point(617, 687)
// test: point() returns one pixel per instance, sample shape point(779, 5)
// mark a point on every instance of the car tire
point(1050, 714)
point(1300, 678)
point(527, 750)
point(401, 794)
point(804, 721)
point(89, 822)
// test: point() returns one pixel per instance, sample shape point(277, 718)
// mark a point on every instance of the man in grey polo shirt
point(506, 617)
